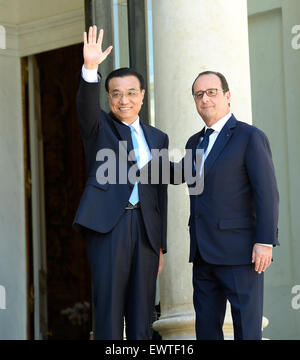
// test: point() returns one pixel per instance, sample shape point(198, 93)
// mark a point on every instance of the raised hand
point(92, 48)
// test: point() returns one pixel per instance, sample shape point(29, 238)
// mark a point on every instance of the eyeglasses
point(131, 94)
point(209, 92)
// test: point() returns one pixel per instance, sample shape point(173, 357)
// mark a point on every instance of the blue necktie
point(134, 197)
point(204, 143)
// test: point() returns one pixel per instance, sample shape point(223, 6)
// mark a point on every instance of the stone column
point(190, 37)
point(13, 251)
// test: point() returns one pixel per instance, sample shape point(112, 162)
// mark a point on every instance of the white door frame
point(37, 202)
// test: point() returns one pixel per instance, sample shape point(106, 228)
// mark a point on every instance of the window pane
point(121, 46)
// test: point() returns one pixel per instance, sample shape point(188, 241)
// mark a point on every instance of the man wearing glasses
point(233, 222)
point(123, 222)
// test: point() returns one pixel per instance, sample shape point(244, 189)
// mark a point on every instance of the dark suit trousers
point(124, 270)
point(241, 285)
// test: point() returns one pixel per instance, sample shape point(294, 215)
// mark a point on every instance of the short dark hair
point(122, 72)
point(224, 83)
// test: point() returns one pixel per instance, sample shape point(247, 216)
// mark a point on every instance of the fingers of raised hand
point(85, 38)
point(94, 34)
point(91, 37)
point(91, 34)
point(92, 50)
point(100, 37)
point(107, 51)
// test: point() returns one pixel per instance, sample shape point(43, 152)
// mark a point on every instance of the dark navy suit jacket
point(102, 205)
point(239, 204)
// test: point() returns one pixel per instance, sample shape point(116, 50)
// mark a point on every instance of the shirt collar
point(136, 124)
point(218, 126)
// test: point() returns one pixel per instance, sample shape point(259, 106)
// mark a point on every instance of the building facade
point(44, 279)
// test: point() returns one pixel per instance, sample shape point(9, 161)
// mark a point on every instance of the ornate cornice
point(44, 34)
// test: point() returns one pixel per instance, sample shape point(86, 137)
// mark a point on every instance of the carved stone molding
point(44, 34)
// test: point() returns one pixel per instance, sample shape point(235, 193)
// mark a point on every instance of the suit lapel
point(156, 162)
point(123, 134)
point(219, 145)
point(194, 141)
point(151, 140)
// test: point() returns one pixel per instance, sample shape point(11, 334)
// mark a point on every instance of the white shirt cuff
point(269, 245)
point(90, 76)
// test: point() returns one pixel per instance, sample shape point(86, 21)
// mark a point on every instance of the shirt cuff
point(90, 76)
point(269, 245)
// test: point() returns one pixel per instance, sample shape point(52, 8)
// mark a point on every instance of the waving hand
point(92, 48)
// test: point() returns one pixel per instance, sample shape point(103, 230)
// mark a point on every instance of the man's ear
point(228, 96)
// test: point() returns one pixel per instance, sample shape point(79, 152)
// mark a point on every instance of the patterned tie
point(204, 143)
point(134, 197)
point(203, 146)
